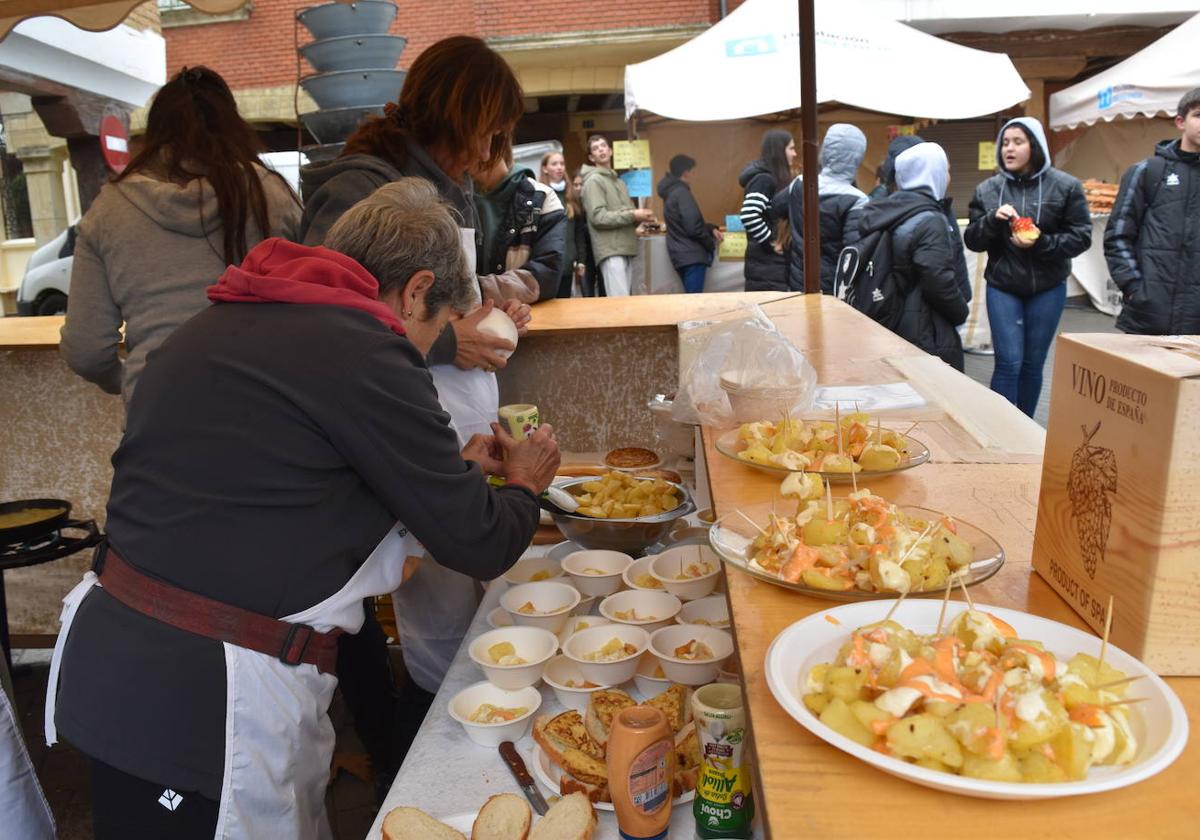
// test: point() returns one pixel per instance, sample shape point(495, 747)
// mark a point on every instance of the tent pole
point(808, 126)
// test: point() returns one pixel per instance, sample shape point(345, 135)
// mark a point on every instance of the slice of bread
point(675, 703)
point(568, 784)
point(415, 824)
point(504, 816)
point(570, 818)
point(563, 732)
point(602, 708)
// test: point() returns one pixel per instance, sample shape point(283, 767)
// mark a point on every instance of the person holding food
point(612, 218)
point(1032, 220)
point(456, 110)
point(285, 456)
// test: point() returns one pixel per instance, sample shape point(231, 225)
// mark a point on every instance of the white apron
point(278, 736)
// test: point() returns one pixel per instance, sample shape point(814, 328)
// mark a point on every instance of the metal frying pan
point(50, 522)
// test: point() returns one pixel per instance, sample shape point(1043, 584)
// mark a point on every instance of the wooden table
point(809, 789)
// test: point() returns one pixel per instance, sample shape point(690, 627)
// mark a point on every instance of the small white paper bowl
point(532, 644)
point(647, 684)
point(524, 569)
point(666, 567)
point(662, 606)
point(464, 704)
point(559, 671)
point(580, 622)
point(714, 610)
point(611, 563)
point(641, 568)
point(553, 602)
point(686, 671)
point(594, 638)
point(499, 618)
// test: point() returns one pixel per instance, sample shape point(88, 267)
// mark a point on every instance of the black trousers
point(125, 807)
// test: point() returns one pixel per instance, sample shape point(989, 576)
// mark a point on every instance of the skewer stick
point(828, 501)
point(928, 529)
point(945, 601)
point(878, 430)
point(895, 606)
point(1104, 642)
point(910, 428)
point(966, 594)
point(854, 480)
point(837, 423)
point(1128, 702)
point(752, 522)
point(1116, 683)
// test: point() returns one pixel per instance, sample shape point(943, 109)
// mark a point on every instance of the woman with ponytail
point(193, 200)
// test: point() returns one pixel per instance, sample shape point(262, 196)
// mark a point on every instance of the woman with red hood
point(284, 455)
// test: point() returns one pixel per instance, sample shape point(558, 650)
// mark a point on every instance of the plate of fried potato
point(999, 704)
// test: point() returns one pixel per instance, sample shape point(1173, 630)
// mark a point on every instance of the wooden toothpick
point(1104, 642)
point(1116, 683)
point(837, 423)
point(945, 601)
point(895, 606)
point(751, 521)
point(828, 501)
point(966, 594)
point(854, 480)
point(916, 542)
point(910, 428)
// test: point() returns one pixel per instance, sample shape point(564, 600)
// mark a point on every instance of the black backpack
point(865, 279)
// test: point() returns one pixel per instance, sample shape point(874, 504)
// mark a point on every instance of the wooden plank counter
point(809, 789)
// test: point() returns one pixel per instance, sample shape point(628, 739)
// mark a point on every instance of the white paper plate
point(545, 771)
point(461, 822)
point(1159, 722)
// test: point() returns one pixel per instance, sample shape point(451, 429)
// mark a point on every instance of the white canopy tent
point(749, 64)
point(1146, 84)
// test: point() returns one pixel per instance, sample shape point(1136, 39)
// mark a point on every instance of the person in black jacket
point(925, 252)
point(1026, 275)
point(1152, 241)
point(691, 241)
point(553, 173)
point(766, 269)
point(522, 227)
point(841, 202)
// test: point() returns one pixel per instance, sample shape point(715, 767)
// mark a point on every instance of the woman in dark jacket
point(925, 253)
point(553, 173)
point(691, 241)
point(766, 267)
point(1027, 273)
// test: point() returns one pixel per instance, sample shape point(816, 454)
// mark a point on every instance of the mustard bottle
point(641, 768)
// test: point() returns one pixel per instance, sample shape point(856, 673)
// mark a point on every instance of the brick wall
point(145, 17)
point(260, 51)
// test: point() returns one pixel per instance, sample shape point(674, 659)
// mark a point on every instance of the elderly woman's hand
point(532, 462)
point(485, 451)
point(477, 349)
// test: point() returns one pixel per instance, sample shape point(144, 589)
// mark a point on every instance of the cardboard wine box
point(1119, 509)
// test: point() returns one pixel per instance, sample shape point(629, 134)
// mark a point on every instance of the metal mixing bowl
point(632, 536)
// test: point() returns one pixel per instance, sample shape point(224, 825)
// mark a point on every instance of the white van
point(47, 280)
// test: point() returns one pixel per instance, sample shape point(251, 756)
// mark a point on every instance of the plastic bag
point(746, 357)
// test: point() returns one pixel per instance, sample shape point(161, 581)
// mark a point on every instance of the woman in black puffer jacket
point(1026, 275)
point(766, 267)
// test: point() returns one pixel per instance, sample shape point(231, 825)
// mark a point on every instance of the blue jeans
point(1022, 329)
point(692, 277)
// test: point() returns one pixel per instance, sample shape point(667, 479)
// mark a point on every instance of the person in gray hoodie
point(194, 200)
point(1027, 273)
point(841, 203)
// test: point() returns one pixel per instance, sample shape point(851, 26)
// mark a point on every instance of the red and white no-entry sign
point(114, 143)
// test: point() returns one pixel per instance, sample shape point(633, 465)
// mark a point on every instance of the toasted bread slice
point(570, 818)
point(504, 816)
point(602, 708)
point(415, 824)
point(675, 704)
point(568, 784)
point(687, 760)
point(566, 731)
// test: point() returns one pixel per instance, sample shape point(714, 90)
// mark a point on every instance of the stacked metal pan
point(355, 62)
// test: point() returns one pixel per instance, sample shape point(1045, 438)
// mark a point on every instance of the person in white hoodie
point(194, 200)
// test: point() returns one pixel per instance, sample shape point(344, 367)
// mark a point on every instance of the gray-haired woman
point(284, 455)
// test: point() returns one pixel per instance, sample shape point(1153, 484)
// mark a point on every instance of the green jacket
point(609, 214)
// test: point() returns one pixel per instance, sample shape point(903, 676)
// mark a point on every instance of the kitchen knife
point(517, 765)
